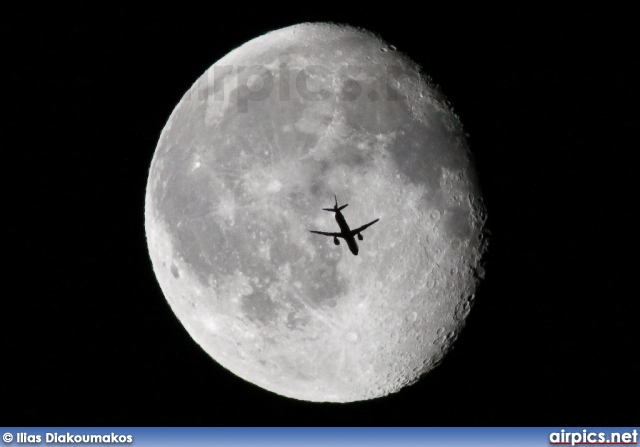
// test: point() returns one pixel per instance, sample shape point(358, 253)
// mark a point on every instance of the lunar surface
point(249, 157)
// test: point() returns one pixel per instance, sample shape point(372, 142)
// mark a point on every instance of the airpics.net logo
point(586, 437)
point(244, 84)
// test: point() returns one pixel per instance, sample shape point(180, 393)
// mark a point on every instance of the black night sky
point(546, 97)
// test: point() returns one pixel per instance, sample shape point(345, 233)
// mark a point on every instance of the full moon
point(247, 161)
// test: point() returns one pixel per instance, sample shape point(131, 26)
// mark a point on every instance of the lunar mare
point(259, 144)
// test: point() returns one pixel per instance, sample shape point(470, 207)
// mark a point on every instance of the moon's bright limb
point(250, 155)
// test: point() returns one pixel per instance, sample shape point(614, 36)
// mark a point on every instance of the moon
point(247, 160)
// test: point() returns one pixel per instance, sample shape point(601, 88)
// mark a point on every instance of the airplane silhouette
point(345, 232)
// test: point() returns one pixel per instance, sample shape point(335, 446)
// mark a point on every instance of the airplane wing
point(362, 228)
point(327, 234)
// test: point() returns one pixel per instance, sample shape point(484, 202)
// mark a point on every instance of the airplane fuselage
point(346, 231)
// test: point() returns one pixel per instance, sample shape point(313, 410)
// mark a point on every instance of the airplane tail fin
point(336, 208)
